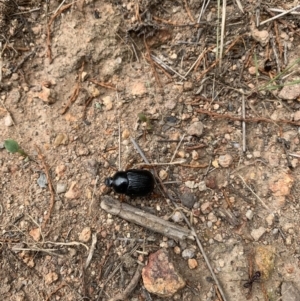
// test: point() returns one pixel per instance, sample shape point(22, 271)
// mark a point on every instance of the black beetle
point(133, 182)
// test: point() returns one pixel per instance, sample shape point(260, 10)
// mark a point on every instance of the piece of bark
point(144, 219)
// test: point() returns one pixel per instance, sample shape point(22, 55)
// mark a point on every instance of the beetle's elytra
point(133, 182)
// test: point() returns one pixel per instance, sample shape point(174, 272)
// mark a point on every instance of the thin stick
point(165, 66)
point(217, 60)
point(136, 146)
point(92, 250)
point(222, 31)
point(148, 56)
point(94, 191)
point(27, 12)
point(280, 15)
point(1, 62)
point(275, 53)
point(71, 243)
point(59, 6)
point(119, 145)
point(278, 10)
point(201, 55)
point(188, 11)
point(163, 164)
point(75, 92)
point(130, 287)
point(175, 152)
point(240, 6)
point(104, 85)
point(244, 123)
point(55, 291)
point(262, 202)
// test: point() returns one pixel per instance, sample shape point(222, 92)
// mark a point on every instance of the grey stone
point(188, 200)
point(188, 253)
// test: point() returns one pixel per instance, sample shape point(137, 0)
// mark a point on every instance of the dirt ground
point(79, 78)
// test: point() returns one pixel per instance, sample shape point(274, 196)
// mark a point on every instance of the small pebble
point(188, 200)
point(125, 134)
point(195, 129)
point(205, 207)
point(107, 101)
point(211, 217)
point(190, 184)
point(202, 186)
point(177, 217)
point(288, 240)
point(163, 174)
point(258, 233)
point(188, 86)
point(188, 253)
point(192, 263)
point(218, 237)
point(225, 160)
point(85, 234)
point(195, 155)
point(270, 219)
point(221, 263)
point(177, 250)
point(61, 188)
point(8, 120)
point(249, 214)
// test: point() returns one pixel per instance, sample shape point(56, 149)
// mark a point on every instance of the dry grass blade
point(240, 6)
point(222, 31)
point(280, 15)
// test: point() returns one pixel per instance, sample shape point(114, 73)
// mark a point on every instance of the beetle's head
point(108, 182)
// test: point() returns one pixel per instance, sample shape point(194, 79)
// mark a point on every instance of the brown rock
point(206, 207)
point(192, 263)
point(60, 170)
point(73, 192)
point(50, 278)
point(85, 234)
point(35, 234)
point(188, 86)
point(281, 184)
point(159, 275)
point(47, 95)
point(195, 129)
point(225, 160)
point(61, 139)
point(290, 92)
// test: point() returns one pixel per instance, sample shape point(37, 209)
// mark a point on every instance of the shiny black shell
point(133, 182)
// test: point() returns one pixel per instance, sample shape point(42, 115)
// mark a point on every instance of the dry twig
point(130, 287)
point(75, 92)
point(92, 250)
point(150, 60)
point(49, 52)
point(55, 291)
point(188, 11)
point(280, 15)
point(217, 60)
point(104, 85)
